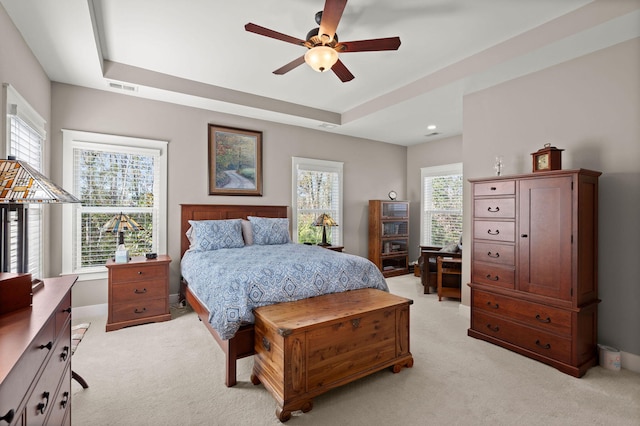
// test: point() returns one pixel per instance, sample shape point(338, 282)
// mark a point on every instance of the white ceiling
point(197, 53)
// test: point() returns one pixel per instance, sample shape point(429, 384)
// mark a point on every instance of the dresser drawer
point(62, 401)
point(138, 292)
point(138, 310)
point(494, 230)
point(539, 316)
point(503, 187)
point(138, 273)
point(491, 274)
point(44, 393)
point(63, 313)
point(502, 254)
point(494, 207)
point(540, 342)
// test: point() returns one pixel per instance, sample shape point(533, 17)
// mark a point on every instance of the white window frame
point(16, 105)
point(311, 164)
point(442, 170)
point(73, 139)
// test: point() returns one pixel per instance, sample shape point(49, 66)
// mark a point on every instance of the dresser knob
point(65, 400)
point(545, 346)
point(546, 321)
point(65, 353)
point(489, 277)
point(524, 235)
point(496, 210)
point(490, 232)
point(495, 256)
point(47, 346)
point(143, 291)
point(9, 416)
point(137, 311)
point(493, 328)
point(139, 272)
point(494, 306)
point(68, 310)
point(43, 405)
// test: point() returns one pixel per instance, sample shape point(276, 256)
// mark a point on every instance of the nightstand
point(334, 248)
point(138, 291)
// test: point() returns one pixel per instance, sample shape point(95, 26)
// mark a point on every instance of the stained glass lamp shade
point(324, 220)
point(120, 223)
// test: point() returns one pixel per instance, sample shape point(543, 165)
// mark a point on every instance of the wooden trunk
point(308, 347)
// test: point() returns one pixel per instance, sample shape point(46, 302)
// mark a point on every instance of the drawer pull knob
point(495, 256)
point(493, 188)
point(48, 346)
point(490, 232)
point(9, 416)
point(43, 405)
point(68, 310)
point(489, 277)
point(493, 305)
point(355, 323)
point(65, 400)
point(138, 311)
point(139, 272)
point(524, 235)
point(546, 321)
point(143, 291)
point(496, 210)
point(545, 346)
point(266, 344)
point(493, 328)
point(65, 353)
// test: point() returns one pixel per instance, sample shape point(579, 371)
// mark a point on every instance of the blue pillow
point(269, 231)
point(209, 235)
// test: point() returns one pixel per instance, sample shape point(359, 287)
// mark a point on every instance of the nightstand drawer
point(138, 291)
point(138, 272)
point(138, 310)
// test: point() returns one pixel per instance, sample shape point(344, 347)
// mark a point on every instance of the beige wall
point(428, 154)
point(371, 168)
point(20, 69)
point(590, 106)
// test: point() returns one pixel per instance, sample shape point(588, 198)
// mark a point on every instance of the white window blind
point(441, 204)
point(317, 189)
point(25, 139)
point(111, 179)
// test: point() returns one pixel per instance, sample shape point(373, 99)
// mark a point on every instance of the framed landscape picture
point(235, 161)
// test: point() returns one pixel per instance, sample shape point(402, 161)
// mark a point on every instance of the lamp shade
point(120, 223)
point(324, 220)
point(21, 183)
point(321, 58)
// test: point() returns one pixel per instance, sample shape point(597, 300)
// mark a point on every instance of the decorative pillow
point(450, 248)
point(208, 235)
point(247, 232)
point(269, 231)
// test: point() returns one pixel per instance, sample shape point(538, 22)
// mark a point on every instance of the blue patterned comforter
point(232, 282)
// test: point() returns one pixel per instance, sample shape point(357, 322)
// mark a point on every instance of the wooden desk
point(448, 266)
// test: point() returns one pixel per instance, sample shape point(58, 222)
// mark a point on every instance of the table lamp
point(118, 224)
point(324, 220)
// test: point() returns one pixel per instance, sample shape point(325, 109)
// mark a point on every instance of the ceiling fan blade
point(331, 17)
point(253, 28)
point(291, 65)
point(342, 72)
point(373, 45)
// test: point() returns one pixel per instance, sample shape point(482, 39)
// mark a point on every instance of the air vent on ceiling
point(123, 86)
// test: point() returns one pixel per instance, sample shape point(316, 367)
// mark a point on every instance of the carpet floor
point(172, 373)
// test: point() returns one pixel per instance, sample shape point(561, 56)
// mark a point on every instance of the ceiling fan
point(324, 47)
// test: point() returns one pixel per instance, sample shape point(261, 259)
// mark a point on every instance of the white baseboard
point(630, 361)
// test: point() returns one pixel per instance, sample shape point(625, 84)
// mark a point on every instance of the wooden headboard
point(221, 211)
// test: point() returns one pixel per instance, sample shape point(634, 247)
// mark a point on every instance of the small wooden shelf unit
point(389, 236)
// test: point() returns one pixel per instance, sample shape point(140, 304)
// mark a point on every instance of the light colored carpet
point(172, 373)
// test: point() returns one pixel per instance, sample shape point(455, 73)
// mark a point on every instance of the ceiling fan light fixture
point(321, 58)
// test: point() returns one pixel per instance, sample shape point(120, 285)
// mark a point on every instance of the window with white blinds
point(441, 204)
point(25, 140)
point(317, 189)
point(110, 179)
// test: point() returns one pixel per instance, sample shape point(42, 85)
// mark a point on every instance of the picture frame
point(235, 161)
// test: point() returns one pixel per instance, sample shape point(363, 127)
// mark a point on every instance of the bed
point(231, 322)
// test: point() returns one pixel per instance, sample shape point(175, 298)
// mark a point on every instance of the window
point(317, 189)
point(25, 136)
point(441, 204)
point(112, 175)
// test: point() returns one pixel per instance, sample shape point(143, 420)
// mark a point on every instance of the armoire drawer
point(505, 187)
point(494, 230)
point(494, 207)
point(536, 315)
point(492, 274)
point(503, 254)
point(538, 341)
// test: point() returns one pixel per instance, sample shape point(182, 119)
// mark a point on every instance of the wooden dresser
point(310, 346)
point(138, 291)
point(35, 358)
point(534, 272)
